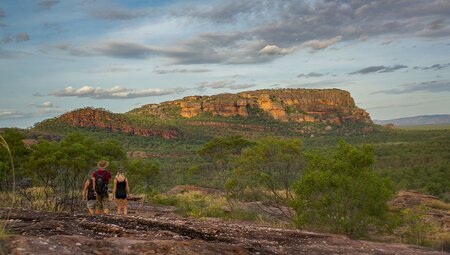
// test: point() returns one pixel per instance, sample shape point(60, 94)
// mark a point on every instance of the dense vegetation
point(413, 159)
point(302, 178)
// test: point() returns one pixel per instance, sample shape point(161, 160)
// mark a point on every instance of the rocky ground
point(157, 230)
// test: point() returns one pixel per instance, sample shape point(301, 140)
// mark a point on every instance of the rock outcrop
point(437, 210)
point(34, 232)
point(99, 118)
point(331, 106)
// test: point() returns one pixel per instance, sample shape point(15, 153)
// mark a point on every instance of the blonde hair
point(120, 172)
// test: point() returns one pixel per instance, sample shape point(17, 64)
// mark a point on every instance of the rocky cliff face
point(98, 118)
point(332, 106)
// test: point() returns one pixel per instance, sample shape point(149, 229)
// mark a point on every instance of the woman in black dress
point(121, 191)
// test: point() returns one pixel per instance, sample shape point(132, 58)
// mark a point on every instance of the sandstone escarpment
point(98, 118)
point(332, 106)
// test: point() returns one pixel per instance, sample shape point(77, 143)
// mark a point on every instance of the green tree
point(269, 169)
point(19, 152)
point(60, 168)
point(342, 193)
point(143, 174)
point(222, 152)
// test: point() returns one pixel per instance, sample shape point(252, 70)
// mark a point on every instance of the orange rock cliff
point(332, 106)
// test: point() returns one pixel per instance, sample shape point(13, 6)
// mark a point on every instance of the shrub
point(342, 194)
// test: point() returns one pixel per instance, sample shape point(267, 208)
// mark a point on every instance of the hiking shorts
point(102, 202)
point(91, 204)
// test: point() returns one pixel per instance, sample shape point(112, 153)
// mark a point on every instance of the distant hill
point(281, 112)
point(417, 120)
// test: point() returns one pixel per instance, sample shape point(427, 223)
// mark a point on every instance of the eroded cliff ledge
point(332, 106)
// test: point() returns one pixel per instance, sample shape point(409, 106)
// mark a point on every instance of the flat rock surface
point(159, 231)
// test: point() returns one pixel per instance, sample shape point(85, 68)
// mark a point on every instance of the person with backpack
point(89, 195)
point(121, 190)
point(101, 177)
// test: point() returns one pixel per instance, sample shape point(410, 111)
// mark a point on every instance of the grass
point(440, 205)
point(198, 205)
point(3, 231)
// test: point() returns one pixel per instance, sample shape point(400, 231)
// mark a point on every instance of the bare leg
point(118, 206)
point(124, 204)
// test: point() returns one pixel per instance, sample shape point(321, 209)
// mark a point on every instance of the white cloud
point(115, 92)
point(8, 113)
point(321, 44)
point(272, 49)
point(47, 104)
point(225, 84)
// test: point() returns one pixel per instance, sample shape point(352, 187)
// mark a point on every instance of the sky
point(393, 56)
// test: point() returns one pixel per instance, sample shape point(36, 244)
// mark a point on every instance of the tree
point(269, 168)
point(223, 151)
point(14, 140)
point(60, 168)
point(342, 193)
point(143, 173)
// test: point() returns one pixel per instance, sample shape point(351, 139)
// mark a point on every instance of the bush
point(266, 171)
point(416, 229)
point(198, 205)
point(342, 194)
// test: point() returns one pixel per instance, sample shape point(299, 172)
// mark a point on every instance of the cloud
point(224, 12)
point(9, 114)
point(125, 50)
point(245, 52)
point(39, 94)
point(379, 69)
point(53, 27)
point(47, 4)
point(7, 39)
point(215, 84)
point(434, 67)
point(317, 84)
point(117, 69)
point(159, 71)
point(22, 37)
point(310, 75)
point(115, 92)
point(41, 111)
point(428, 86)
point(46, 104)
point(14, 114)
point(275, 50)
point(225, 84)
point(321, 44)
point(291, 23)
point(9, 54)
point(387, 41)
point(271, 29)
point(44, 108)
point(390, 106)
point(115, 12)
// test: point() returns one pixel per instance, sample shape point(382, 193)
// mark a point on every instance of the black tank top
point(121, 187)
